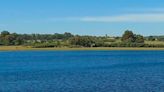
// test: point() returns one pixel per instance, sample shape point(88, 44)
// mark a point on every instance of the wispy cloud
point(127, 18)
point(151, 17)
point(130, 18)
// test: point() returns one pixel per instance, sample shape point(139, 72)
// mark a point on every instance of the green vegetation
point(68, 40)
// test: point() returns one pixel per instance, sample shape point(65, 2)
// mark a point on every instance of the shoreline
point(22, 48)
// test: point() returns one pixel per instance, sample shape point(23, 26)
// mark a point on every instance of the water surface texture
point(82, 71)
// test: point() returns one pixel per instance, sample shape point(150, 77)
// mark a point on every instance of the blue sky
point(91, 17)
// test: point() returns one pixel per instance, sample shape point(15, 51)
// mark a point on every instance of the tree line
point(128, 39)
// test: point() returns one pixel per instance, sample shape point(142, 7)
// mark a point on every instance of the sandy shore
point(20, 48)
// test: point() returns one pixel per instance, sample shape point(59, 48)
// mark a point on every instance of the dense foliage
point(129, 39)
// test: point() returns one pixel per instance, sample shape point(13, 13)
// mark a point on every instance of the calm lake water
point(82, 71)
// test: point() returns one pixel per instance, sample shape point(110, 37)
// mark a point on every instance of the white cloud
point(126, 18)
point(141, 17)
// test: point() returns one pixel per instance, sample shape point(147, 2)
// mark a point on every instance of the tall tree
point(4, 33)
point(128, 36)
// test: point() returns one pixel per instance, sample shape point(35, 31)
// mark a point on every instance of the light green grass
point(154, 42)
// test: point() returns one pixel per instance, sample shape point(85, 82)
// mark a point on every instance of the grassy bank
point(19, 48)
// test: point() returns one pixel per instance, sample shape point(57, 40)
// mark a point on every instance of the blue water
point(82, 71)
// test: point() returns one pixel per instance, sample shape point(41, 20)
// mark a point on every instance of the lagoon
point(82, 71)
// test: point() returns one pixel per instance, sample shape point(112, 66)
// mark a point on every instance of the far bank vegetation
point(128, 39)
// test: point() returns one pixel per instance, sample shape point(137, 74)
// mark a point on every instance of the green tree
point(4, 33)
point(151, 38)
point(8, 40)
point(139, 39)
point(5, 38)
point(67, 35)
point(128, 36)
point(84, 41)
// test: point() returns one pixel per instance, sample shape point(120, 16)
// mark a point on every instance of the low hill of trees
point(128, 39)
